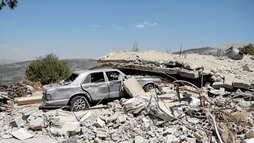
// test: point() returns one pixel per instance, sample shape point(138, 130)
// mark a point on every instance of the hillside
point(217, 50)
point(15, 72)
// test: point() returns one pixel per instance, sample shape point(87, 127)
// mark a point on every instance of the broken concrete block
point(67, 127)
point(171, 139)
point(133, 88)
point(101, 133)
point(240, 83)
point(188, 73)
point(21, 134)
point(249, 140)
point(135, 105)
point(139, 139)
point(36, 124)
point(218, 84)
point(228, 80)
point(121, 118)
point(246, 67)
point(250, 134)
point(100, 122)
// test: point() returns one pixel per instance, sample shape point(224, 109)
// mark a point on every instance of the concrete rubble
point(225, 117)
point(218, 71)
point(219, 112)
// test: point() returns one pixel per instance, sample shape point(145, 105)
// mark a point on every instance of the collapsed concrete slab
point(190, 66)
point(133, 88)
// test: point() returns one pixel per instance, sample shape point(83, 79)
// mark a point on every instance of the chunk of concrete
point(240, 83)
point(139, 139)
point(172, 139)
point(21, 134)
point(133, 88)
point(101, 133)
point(218, 84)
point(246, 67)
point(228, 80)
point(188, 73)
point(36, 124)
point(67, 127)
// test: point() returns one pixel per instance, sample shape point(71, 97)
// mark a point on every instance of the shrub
point(47, 69)
point(248, 49)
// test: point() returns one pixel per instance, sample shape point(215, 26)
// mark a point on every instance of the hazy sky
point(93, 28)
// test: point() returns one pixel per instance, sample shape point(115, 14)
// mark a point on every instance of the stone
point(101, 132)
point(133, 88)
point(228, 80)
point(250, 134)
point(139, 139)
point(100, 122)
point(246, 67)
point(121, 118)
point(21, 134)
point(240, 83)
point(217, 84)
point(249, 140)
point(66, 128)
point(36, 124)
point(171, 139)
point(188, 73)
point(191, 140)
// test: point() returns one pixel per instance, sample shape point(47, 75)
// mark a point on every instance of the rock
point(171, 139)
point(191, 140)
point(218, 84)
point(66, 128)
point(133, 88)
point(228, 80)
point(139, 139)
point(101, 133)
point(100, 122)
point(188, 73)
point(250, 134)
point(246, 67)
point(36, 124)
point(21, 134)
point(240, 83)
point(249, 140)
point(121, 118)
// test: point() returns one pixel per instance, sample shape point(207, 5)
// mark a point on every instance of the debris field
point(220, 111)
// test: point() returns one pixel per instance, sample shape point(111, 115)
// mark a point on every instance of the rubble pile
point(223, 71)
point(16, 89)
point(6, 102)
point(161, 117)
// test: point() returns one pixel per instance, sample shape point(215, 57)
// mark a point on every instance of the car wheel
point(79, 103)
point(148, 87)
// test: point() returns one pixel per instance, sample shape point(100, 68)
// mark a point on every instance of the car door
point(96, 86)
point(115, 84)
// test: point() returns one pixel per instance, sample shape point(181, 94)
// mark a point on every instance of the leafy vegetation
point(47, 69)
point(11, 3)
point(248, 49)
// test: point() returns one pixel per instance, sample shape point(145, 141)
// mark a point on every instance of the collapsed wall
point(223, 72)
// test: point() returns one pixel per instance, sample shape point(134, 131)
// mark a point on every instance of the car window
point(113, 75)
point(71, 78)
point(95, 78)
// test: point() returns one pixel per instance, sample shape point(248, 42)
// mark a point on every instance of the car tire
point(148, 87)
point(79, 103)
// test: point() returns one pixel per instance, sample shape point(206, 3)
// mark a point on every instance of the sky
point(94, 28)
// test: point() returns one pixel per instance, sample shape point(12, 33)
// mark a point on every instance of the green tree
point(47, 69)
point(248, 49)
point(11, 3)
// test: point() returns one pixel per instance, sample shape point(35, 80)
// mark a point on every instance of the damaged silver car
point(85, 87)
